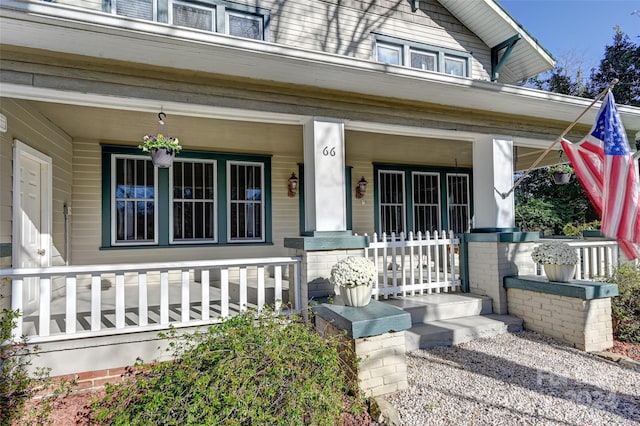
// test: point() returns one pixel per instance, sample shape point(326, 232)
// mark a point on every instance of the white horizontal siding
point(346, 27)
point(283, 143)
point(32, 128)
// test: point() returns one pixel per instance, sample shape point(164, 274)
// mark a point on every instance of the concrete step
point(442, 306)
point(453, 331)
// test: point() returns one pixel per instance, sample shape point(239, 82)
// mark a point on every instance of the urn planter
point(356, 296)
point(559, 272)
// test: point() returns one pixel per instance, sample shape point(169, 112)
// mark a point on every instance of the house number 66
point(326, 151)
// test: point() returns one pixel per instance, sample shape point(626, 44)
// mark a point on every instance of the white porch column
point(493, 170)
point(324, 178)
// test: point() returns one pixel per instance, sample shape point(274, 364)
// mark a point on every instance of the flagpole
point(562, 135)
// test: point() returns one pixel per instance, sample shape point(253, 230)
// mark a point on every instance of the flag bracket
point(504, 195)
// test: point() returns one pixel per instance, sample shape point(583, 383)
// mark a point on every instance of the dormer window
point(206, 15)
point(420, 56)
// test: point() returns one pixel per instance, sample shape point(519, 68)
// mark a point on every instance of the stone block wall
point(490, 262)
point(585, 324)
point(382, 362)
point(316, 269)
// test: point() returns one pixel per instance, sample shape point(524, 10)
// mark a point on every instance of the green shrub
point(626, 307)
point(248, 370)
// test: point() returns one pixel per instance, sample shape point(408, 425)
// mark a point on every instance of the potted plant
point(162, 148)
point(354, 277)
point(561, 173)
point(558, 260)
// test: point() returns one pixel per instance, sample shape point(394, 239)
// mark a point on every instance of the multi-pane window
point(203, 198)
point(391, 201)
point(458, 202)
point(455, 66)
point(390, 50)
point(193, 213)
point(246, 208)
point(133, 190)
point(412, 199)
point(224, 17)
point(245, 25)
point(188, 15)
point(423, 60)
point(389, 53)
point(426, 202)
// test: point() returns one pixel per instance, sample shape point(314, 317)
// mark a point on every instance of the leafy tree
point(541, 205)
point(622, 61)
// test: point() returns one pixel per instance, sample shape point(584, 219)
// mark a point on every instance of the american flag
point(609, 174)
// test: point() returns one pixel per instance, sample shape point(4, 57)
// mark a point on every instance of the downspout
point(67, 234)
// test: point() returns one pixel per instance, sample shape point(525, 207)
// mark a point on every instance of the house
point(305, 125)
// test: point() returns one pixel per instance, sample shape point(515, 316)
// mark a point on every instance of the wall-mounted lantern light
point(361, 188)
point(293, 185)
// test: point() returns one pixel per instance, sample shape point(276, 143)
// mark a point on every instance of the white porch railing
point(67, 302)
point(596, 259)
point(420, 264)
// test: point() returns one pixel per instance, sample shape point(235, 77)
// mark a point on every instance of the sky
point(576, 32)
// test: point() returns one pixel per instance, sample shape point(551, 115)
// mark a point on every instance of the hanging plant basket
point(561, 178)
point(162, 157)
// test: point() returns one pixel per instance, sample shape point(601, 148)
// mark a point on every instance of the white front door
point(32, 217)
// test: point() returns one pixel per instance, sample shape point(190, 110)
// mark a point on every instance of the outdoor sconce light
point(293, 185)
point(361, 188)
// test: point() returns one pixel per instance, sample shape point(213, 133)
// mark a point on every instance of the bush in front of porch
point(250, 369)
point(626, 307)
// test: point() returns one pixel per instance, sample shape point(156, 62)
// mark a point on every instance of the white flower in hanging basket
point(160, 141)
point(555, 253)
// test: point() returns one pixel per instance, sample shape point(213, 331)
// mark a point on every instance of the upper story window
point(206, 15)
point(421, 56)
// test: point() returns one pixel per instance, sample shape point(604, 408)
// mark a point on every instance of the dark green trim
point(301, 213)
point(464, 263)
point(348, 195)
point(203, 245)
point(492, 230)
point(372, 320)
point(6, 249)
point(324, 243)
point(498, 63)
point(586, 290)
point(503, 237)
point(163, 197)
point(163, 208)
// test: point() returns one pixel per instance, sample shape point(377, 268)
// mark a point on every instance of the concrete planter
point(559, 273)
point(357, 296)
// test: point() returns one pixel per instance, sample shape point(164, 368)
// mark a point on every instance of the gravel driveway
point(516, 379)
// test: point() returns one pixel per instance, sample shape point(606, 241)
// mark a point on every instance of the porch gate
point(416, 264)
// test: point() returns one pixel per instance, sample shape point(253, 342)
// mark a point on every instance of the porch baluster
point(260, 289)
point(16, 305)
point(204, 283)
point(96, 284)
point(70, 319)
point(120, 303)
point(243, 289)
point(185, 305)
point(412, 273)
point(277, 289)
point(224, 292)
point(164, 297)
point(45, 305)
point(143, 314)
